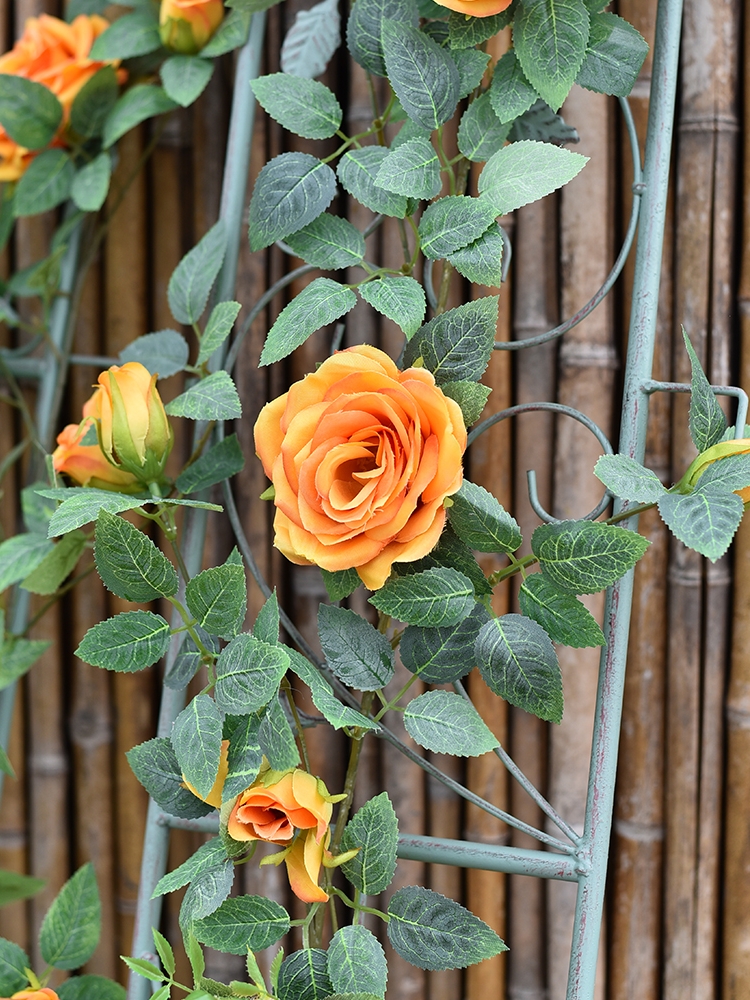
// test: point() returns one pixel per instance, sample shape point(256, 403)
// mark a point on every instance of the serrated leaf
point(210, 855)
point(340, 584)
point(471, 65)
point(243, 922)
point(411, 169)
point(401, 299)
point(37, 510)
point(527, 171)
point(329, 242)
point(480, 520)
point(131, 641)
point(196, 738)
point(277, 739)
point(374, 830)
point(13, 964)
point(144, 968)
point(541, 124)
point(470, 396)
point(464, 32)
point(14, 885)
point(628, 479)
point(311, 40)
point(443, 655)
point(231, 34)
point(166, 953)
point(356, 962)
point(457, 345)
point(45, 184)
point(129, 563)
point(248, 672)
point(481, 133)
point(304, 976)
point(134, 34)
point(364, 36)
point(444, 722)
point(185, 78)
point(561, 615)
point(482, 260)
point(358, 170)
point(550, 39)
point(409, 130)
point(56, 566)
point(433, 598)
point(193, 278)
point(706, 418)
point(453, 222)
point(29, 112)
point(450, 551)
point(18, 656)
point(422, 74)
point(91, 184)
point(436, 933)
point(584, 557)
point(732, 473)
point(154, 764)
point(189, 658)
point(20, 555)
point(212, 398)
point(136, 105)
point(267, 623)
point(291, 190)
point(218, 328)
point(222, 461)
point(511, 94)
point(518, 662)
point(321, 302)
point(357, 653)
point(614, 56)
point(205, 894)
point(705, 520)
point(303, 106)
point(217, 597)
point(87, 986)
point(334, 711)
point(71, 927)
point(163, 353)
point(245, 755)
point(93, 102)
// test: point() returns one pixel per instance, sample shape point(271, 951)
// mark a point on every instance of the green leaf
point(193, 278)
point(303, 106)
point(91, 184)
point(401, 299)
point(341, 583)
point(93, 102)
point(304, 976)
point(412, 169)
point(705, 520)
point(364, 34)
point(37, 510)
point(136, 105)
point(456, 346)
point(614, 56)
point(267, 623)
point(408, 131)
point(88, 986)
point(423, 75)
point(481, 133)
point(561, 615)
point(583, 557)
point(511, 94)
point(311, 40)
point(245, 755)
point(436, 933)
point(248, 672)
point(706, 418)
point(329, 243)
point(471, 66)
point(20, 556)
point(166, 954)
point(277, 739)
point(71, 927)
point(318, 304)
point(231, 34)
point(46, 183)
point(541, 124)
point(243, 922)
point(14, 885)
point(144, 968)
point(189, 659)
point(356, 962)
point(17, 657)
point(357, 653)
point(131, 641)
point(444, 722)
point(525, 171)
point(550, 38)
point(453, 222)
point(134, 34)
point(56, 566)
point(291, 190)
point(628, 479)
point(482, 522)
point(222, 461)
point(449, 551)
point(482, 260)
point(358, 171)
point(374, 830)
point(7, 768)
point(129, 563)
point(465, 32)
point(435, 597)
point(185, 78)
point(196, 738)
point(443, 655)
point(80, 505)
point(517, 660)
point(210, 855)
point(205, 894)
point(212, 398)
point(154, 764)
point(218, 328)
point(13, 964)
point(217, 598)
point(164, 353)
point(29, 112)
point(336, 713)
point(731, 473)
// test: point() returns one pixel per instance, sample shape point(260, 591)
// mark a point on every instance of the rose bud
point(43, 993)
point(724, 449)
point(475, 8)
point(186, 25)
point(86, 464)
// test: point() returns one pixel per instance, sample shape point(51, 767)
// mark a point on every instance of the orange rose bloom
point(53, 53)
point(476, 8)
point(362, 457)
point(186, 25)
point(45, 993)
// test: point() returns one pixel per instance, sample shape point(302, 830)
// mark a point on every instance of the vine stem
point(298, 723)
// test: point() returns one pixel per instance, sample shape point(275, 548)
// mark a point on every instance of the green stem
point(302, 743)
point(358, 907)
point(392, 704)
point(630, 512)
point(515, 567)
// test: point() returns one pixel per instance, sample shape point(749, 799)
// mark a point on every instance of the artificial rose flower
point(56, 54)
point(86, 464)
point(724, 449)
point(362, 457)
point(186, 25)
point(134, 430)
point(214, 796)
point(476, 8)
point(45, 993)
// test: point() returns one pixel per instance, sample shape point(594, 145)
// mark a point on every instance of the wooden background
point(678, 919)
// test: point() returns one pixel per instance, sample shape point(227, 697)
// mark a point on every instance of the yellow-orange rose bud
point(214, 796)
point(45, 993)
point(476, 8)
point(724, 449)
point(186, 25)
point(134, 430)
point(362, 457)
point(86, 464)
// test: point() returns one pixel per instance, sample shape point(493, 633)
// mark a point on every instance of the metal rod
point(490, 857)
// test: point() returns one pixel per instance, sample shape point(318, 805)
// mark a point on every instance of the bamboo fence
point(678, 926)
